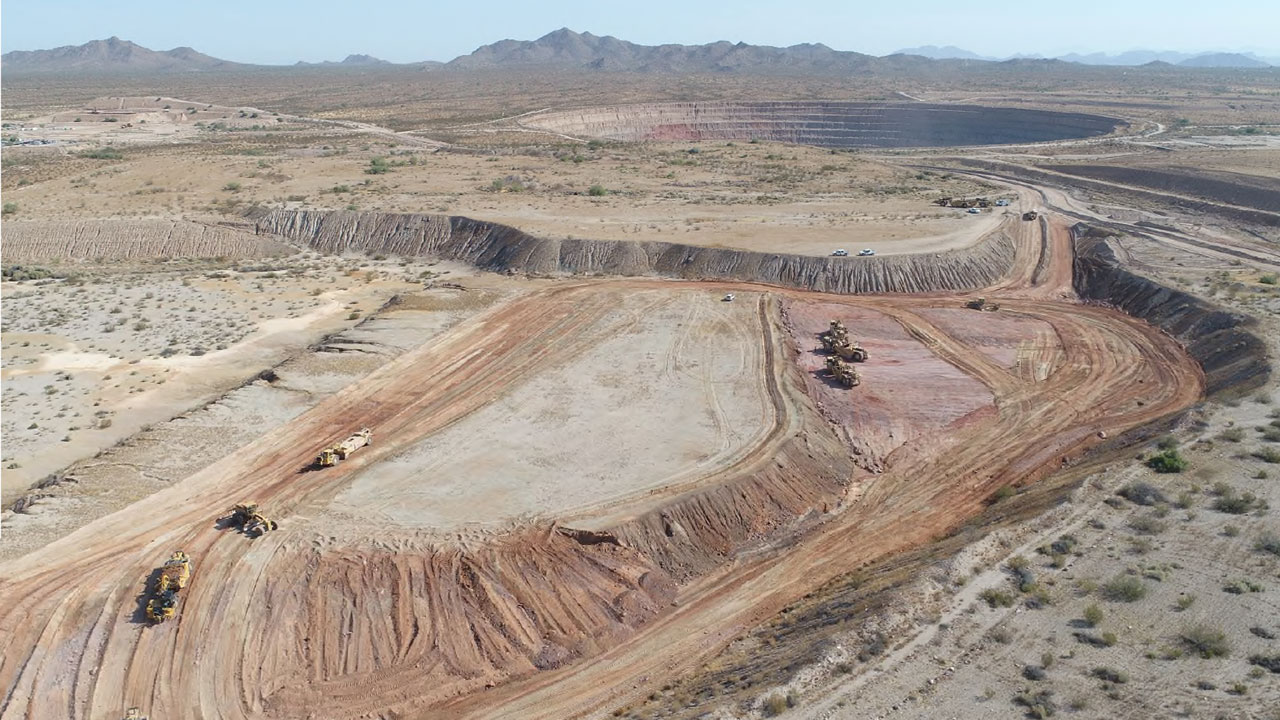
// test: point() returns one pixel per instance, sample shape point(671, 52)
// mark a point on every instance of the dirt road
point(332, 617)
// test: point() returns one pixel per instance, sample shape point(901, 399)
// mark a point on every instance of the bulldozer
point(836, 340)
point(174, 575)
point(981, 303)
point(1030, 215)
point(842, 371)
point(251, 522)
point(330, 456)
point(837, 334)
point(850, 352)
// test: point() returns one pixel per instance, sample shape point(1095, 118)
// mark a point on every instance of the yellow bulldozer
point(981, 303)
point(836, 340)
point(330, 456)
point(842, 371)
point(174, 575)
point(251, 522)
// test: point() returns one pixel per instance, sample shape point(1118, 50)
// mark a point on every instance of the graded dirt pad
point(1028, 346)
point(907, 392)
point(349, 615)
point(671, 369)
point(825, 124)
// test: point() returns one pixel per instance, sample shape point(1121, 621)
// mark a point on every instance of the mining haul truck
point(330, 456)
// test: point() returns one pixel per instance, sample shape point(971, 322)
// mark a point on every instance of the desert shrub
point(1124, 588)
point(1262, 632)
point(9, 208)
point(1168, 461)
point(1093, 615)
point(1232, 434)
point(774, 705)
point(1004, 493)
point(1111, 675)
point(1147, 525)
point(1046, 660)
point(996, 598)
point(232, 187)
point(1269, 279)
point(1142, 493)
point(1039, 704)
point(1267, 662)
point(1268, 543)
point(597, 191)
point(1061, 546)
point(1240, 587)
point(1233, 504)
point(1268, 455)
point(1206, 641)
point(378, 166)
point(1185, 601)
point(1031, 672)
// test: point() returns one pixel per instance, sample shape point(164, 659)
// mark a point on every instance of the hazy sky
point(284, 31)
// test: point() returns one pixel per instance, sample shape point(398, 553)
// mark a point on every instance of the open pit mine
point(599, 481)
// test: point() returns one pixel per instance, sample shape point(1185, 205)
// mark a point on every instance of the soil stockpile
point(826, 124)
point(501, 248)
point(1232, 356)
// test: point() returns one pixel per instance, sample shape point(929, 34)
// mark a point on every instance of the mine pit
point(825, 124)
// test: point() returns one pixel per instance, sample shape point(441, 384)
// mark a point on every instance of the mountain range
point(565, 48)
point(1130, 57)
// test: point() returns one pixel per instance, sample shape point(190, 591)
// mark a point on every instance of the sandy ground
point(87, 364)
point(675, 370)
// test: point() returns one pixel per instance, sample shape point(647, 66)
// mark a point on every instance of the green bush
point(1269, 279)
point(1268, 543)
point(1124, 588)
point(1268, 455)
point(9, 208)
point(1093, 615)
point(1208, 642)
point(598, 190)
point(1111, 675)
point(1168, 461)
point(996, 598)
point(1142, 493)
point(378, 166)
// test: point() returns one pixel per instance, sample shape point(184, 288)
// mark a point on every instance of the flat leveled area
point(682, 371)
point(906, 391)
point(1027, 345)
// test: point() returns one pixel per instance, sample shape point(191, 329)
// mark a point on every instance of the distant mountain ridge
point(113, 54)
point(565, 48)
point(1128, 58)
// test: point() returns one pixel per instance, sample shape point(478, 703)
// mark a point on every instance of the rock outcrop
point(500, 248)
point(35, 241)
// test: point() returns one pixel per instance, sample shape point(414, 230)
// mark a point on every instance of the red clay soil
point(907, 392)
point(344, 620)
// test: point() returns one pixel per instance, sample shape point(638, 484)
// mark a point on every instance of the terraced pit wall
point(1234, 358)
point(500, 248)
point(825, 124)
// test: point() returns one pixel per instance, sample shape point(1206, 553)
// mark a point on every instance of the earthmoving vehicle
point(330, 456)
point(174, 575)
point(981, 304)
point(963, 202)
point(251, 522)
point(834, 336)
point(1030, 215)
point(836, 340)
point(842, 371)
